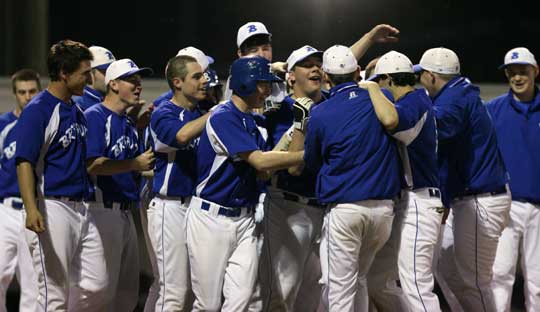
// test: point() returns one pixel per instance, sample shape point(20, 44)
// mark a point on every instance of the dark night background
point(150, 32)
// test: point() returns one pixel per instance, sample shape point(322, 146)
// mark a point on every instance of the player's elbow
point(182, 138)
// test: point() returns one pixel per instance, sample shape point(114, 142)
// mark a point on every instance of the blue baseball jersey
point(278, 123)
point(222, 176)
point(115, 137)
point(347, 145)
point(166, 96)
point(54, 136)
point(518, 131)
point(175, 171)
point(468, 151)
point(9, 186)
point(417, 134)
point(89, 98)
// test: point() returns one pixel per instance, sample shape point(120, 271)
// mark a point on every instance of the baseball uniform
point(70, 251)
point(115, 137)
point(89, 98)
point(357, 178)
point(292, 223)
point(15, 258)
point(173, 185)
point(517, 126)
point(220, 227)
point(473, 178)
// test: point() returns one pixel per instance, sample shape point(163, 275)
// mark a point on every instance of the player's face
point(76, 81)
point(194, 85)
point(25, 91)
point(427, 79)
point(256, 100)
point(307, 76)
point(521, 78)
point(263, 50)
point(129, 89)
point(99, 80)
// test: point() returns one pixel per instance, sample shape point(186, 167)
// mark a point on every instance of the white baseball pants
point(521, 236)
point(419, 236)
point(69, 253)
point(384, 293)
point(223, 258)
point(167, 232)
point(352, 234)
point(119, 238)
point(291, 229)
point(15, 259)
point(467, 263)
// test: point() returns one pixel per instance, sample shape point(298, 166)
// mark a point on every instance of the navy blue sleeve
point(450, 119)
point(229, 135)
point(313, 146)
point(95, 137)
point(165, 124)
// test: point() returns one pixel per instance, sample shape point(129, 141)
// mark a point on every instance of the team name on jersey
point(74, 131)
point(9, 151)
point(123, 143)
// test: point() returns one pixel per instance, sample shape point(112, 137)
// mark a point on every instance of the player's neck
point(181, 100)
point(240, 103)
point(115, 104)
point(525, 96)
point(58, 89)
point(401, 91)
point(17, 111)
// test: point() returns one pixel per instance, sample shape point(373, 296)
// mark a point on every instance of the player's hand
point(384, 33)
point(145, 161)
point(301, 109)
point(365, 84)
point(278, 67)
point(445, 215)
point(143, 118)
point(34, 221)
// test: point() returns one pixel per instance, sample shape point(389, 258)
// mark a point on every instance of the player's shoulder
point(43, 104)
point(6, 119)
point(497, 101)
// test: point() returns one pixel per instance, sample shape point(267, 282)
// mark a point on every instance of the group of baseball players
point(305, 185)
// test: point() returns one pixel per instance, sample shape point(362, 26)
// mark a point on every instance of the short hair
point(253, 41)
point(66, 56)
point(341, 78)
point(403, 79)
point(25, 74)
point(177, 68)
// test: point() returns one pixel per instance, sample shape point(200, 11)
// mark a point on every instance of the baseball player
point(516, 118)
point(203, 59)
point(220, 224)
point(175, 127)
point(473, 180)
point(15, 257)
point(114, 158)
point(357, 178)
point(96, 88)
point(64, 241)
point(412, 123)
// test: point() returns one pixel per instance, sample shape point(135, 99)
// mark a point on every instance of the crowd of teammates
point(304, 185)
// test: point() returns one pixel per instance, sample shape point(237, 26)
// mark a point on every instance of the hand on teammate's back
point(145, 161)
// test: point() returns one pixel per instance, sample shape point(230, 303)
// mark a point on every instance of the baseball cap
point(250, 29)
point(519, 56)
point(391, 63)
point(123, 68)
point(339, 60)
point(439, 60)
point(301, 54)
point(102, 57)
point(203, 59)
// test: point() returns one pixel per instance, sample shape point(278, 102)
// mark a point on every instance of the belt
point(13, 202)
point(301, 199)
point(480, 193)
point(215, 209)
point(182, 199)
point(117, 205)
point(428, 192)
point(67, 198)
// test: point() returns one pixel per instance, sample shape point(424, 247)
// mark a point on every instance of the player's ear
point(113, 86)
point(292, 77)
point(177, 83)
point(239, 53)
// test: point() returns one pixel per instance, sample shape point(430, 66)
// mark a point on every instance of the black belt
point(13, 202)
point(296, 198)
point(122, 205)
point(492, 193)
point(67, 198)
point(433, 192)
point(232, 212)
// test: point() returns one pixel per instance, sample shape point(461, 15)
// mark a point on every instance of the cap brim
point(516, 63)
point(314, 53)
point(102, 66)
point(255, 34)
point(145, 71)
point(417, 68)
point(210, 60)
point(373, 77)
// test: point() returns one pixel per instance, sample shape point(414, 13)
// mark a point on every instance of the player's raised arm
point(382, 33)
